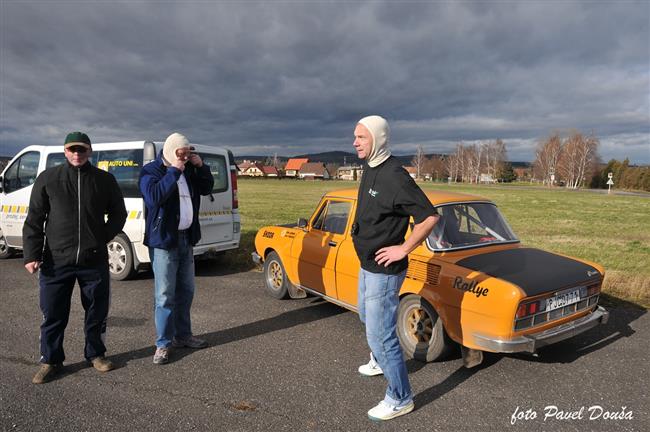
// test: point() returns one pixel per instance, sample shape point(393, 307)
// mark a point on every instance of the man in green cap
point(64, 237)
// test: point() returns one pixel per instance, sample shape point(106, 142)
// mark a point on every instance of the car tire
point(120, 258)
point(6, 251)
point(420, 330)
point(275, 277)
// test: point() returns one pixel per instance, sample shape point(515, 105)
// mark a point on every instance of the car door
point(16, 190)
point(327, 231)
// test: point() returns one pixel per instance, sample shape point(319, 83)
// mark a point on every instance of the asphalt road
point(291, 365)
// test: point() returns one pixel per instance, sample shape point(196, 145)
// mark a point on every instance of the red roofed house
point(314, 170)
point(270, 171)
point(293, 166)
point(413, 171)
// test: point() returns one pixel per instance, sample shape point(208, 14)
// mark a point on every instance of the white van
point(219, 212)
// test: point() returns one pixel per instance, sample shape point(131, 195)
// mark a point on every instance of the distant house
point(251, 169)
point(487, 178)
point(350, 172)
point(293, 167)
point(313, 171)
point(523, 173)
point(270, 171)
point(413, 171)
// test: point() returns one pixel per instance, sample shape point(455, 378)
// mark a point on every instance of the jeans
point(173, 271)
point(56, 285)
point(378, 302)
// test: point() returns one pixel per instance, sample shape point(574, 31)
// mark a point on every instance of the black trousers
point(56, 286)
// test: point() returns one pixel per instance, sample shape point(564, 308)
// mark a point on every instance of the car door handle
point(332, 243)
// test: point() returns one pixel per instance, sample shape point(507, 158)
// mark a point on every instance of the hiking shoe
point(371, 368)
point(189, 342)
point(46, 373)
point(387, 411)
point(102, 364)
point(161, 356)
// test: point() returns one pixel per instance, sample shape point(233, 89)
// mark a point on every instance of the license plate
point(562, 300)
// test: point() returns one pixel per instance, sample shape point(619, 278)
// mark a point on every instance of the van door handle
point(332, 243)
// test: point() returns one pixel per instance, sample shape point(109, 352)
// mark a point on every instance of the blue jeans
point(173, 271)
point(378, 301)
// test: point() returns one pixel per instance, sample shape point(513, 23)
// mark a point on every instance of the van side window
point(217, 164)
point(125, 165)
point(54, 159)
point(22, 172)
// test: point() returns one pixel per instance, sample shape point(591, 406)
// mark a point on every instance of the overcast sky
point(293, 77)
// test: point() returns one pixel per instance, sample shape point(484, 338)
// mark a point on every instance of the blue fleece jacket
point(160, 193)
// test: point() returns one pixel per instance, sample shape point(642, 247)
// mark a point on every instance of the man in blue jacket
point(172, 186)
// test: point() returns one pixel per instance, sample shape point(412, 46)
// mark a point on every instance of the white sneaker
point(371, 368)
point(386, 411)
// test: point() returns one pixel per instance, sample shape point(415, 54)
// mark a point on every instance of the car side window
point(22, 172)
point(318, 220)
point(336, 217)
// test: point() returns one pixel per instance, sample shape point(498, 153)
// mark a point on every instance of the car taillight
point(593, 290)
point(233, 180)
point(526, 309)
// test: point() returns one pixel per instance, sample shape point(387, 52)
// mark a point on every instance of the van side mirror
point(302, 223)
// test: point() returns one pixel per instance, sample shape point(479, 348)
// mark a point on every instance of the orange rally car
point(471, 282)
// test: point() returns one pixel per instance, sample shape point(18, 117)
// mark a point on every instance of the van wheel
point(5, 250)
point(275, 277)
point(420, 330)
point(120, 258)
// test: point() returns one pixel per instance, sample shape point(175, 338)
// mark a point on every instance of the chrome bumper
point(531, 343)
point(256, 258)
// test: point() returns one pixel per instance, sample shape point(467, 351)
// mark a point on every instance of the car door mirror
point(302, 223)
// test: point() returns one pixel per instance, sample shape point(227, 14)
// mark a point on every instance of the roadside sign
point(610, 175)
point(610, 182)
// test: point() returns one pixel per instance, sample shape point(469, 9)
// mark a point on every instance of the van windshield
point(125, 166)
point(466, 225)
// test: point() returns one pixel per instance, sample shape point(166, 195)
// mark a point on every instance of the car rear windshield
point(466, 225)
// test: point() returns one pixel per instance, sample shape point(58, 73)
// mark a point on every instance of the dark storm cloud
point(291, 77)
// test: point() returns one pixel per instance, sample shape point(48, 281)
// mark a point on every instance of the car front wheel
point(420, 329)
point(277, 284)
point(120, 258)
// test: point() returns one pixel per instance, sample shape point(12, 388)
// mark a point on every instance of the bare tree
point(578, 157)
point(547, 157)
point(418, 161)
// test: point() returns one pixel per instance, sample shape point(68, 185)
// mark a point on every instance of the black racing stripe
point(533, 270)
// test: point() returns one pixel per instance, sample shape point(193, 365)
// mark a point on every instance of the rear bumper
point(257, 259)
point(531, 343)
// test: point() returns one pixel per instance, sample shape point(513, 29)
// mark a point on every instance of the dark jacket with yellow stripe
point(66, 221)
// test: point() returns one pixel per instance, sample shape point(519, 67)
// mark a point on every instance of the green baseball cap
point(77, 138)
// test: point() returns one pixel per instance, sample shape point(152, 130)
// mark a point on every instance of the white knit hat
point(172, 143)
point(378, 127)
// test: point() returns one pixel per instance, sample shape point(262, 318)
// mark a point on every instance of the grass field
point(611, 230)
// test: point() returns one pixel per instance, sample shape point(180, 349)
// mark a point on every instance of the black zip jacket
point(65, 223)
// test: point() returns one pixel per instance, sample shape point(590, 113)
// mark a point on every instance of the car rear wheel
point(120, 258)
point(277, 284)
point(5, 250)
point(420, 329)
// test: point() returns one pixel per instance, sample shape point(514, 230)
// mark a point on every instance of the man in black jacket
point(388, 197)
point(65, 236)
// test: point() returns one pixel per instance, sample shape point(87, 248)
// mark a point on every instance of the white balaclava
point(172, 143)
point(378, 127)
